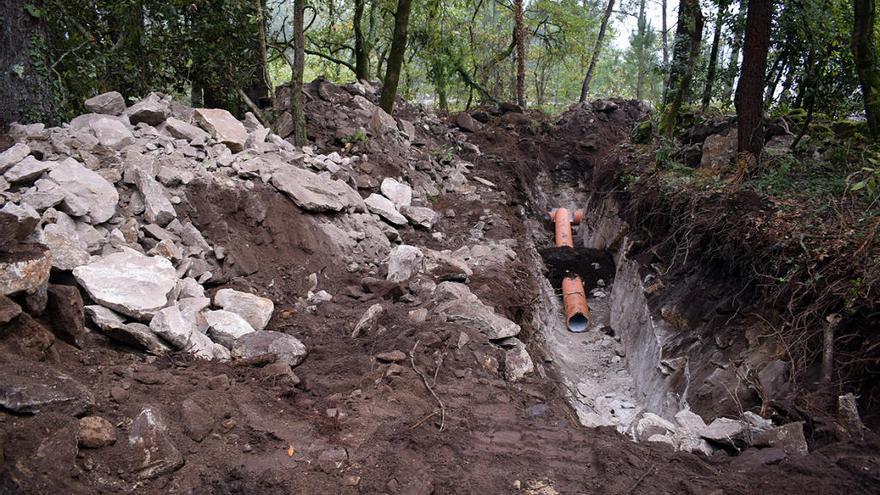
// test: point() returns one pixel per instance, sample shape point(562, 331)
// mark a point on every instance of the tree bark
point(688, 35)
point(865, 55)
point(25, 92)
point(259, 86)
point(395, 57)
point(296, 77)
point(750, 90)
point(519, 35)
point(642, 26)
point(361, 51)
point(735, 46)
point(713, 54)
point(664, 31)
point(585, 87)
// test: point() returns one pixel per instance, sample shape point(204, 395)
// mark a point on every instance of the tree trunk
point(735, 46)
point(519, 34)
point(25, 94)
point(361, 52)
point(688, 35)
point(259, 87)
point(865, 56)
point(642, 26)
point(296, 77)
point(713, 55)
point(585, 88)
point(665, 37)
point(750, 90)
point(395, 57)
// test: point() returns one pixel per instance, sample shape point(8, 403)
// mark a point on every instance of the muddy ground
point(352, 424)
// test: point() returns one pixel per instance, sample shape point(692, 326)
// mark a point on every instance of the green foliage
point(358, 137)
point(642, 132)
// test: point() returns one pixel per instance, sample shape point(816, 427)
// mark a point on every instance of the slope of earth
point(413, 403)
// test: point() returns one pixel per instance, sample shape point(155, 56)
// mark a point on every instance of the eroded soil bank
point(448, 412)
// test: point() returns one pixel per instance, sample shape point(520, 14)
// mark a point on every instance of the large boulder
point(256, 310)
point(30, 387)
point(456, 302)
point(151, 110)
point(16, 223)
point(129, 282)
point(86, 193)
point(420, 216)
point(224, 327)
point(182, 130)
point(719, 150)
point(136, 335)
point(286, 348)
point(399, 193)
point(223, 127)
point(313, 192)
point(111, 103)
point(151, 449)
point(382, 206)
point(404, 262)
point(13, 155)
point(27, 170)
point(25, 270)
point(112, 133)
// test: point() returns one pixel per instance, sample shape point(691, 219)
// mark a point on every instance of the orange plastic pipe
point(574, 297)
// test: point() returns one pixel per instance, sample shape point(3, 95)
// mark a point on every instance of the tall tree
point(25, 94)
point(597, 48)
point(519, 34)
point(865, 55)
point(736, 36)
point(688, 35)
point(665, 39)
point(713, 54)
point(750, 89)
point(296, 77)
point(395, 56)
point(361, 50)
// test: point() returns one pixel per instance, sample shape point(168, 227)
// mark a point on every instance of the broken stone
point(85, 192)
point(456, 302)
point(399, 193)
point(27, 170)
point(29, 387)
point(404, 261)
point(420, 216)
point(96, 432)
point(110, 103)
point(650, 425)
point(223, 127)
point(719, 150)
point(465, 122)
point(16, 223)
point(517, 362)
point(380, 122)
point(848, 416)
point(15, 154)
point(182, 130)
point(67, 253)
point(173, 176)
point(25, 271)
point(728, 433)
point(789, 437)
point(129, 282)
point(157, 207)
point(151, 110)
point(44, 195)
point(286, 348)
point(382, 206)
point(395, 356)
point(313, 192)
point(65, 309)
point(166, 249)
point(369, 320)
point(256, 310)
point(152, 452)
point(112, 133)
point(418, 315)
point(170, 324)
point(224, 327)
point(197, 423)
point(136, 335)
point(9, 310)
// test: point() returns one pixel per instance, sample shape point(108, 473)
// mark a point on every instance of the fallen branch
point(254, 108)
point(639, 481)
point(412, 361)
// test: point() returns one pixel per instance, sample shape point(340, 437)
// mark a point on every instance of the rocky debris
point(65, 311)
point(152, 110)
point(96, 432)
point(13, 155)
point(399, 193)
point(111, 133)
point(152, 452)
point(650, 425)
point(223, 127)
point(719, 150)
point(313, 192)
point(157, 206)
point(395, 356)
point(287, 349)
point(136, 335)
point(420, 216)
point(789, 437)
point(16, 223)
point(28, 170)
point(256, 310)
point(183, 130)
point(380, 122)
point(9, 310)
point(66, 250)
point(404, 262)
point(517, 362)
point(27, 270)
point(456, 302)
point(224, 327)
point(465, 122)
point(197, 423)
point(368, 321)
point(110, 103)
point(382, 206)
point(736, 434)
point(129, 282)
point(173, 328)
point(30, 387)
point(848, 416)
point(86, 194)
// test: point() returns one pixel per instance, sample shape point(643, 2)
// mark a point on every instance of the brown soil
point(271, 436)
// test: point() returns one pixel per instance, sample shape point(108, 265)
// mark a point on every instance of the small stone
point(368, 321)
point(399, 193)
point(395, 356)
point(96, 432)
point(418, 315)
point(382, 206)
point(286, 348)
point(224, 327)
point(256, 310)
point(404, 261)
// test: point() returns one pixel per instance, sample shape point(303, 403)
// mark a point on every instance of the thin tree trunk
point(395, 57)
point(750, 90)
point(25, 94)
point(296, 79)
point(258, 86)
point(713, 55)
point(688, 35)
point(597, 48)
point(642, 25)
point(865, 55)
point(736, 45)
point(361, 52)
point(664, 31)
point(520, 40)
